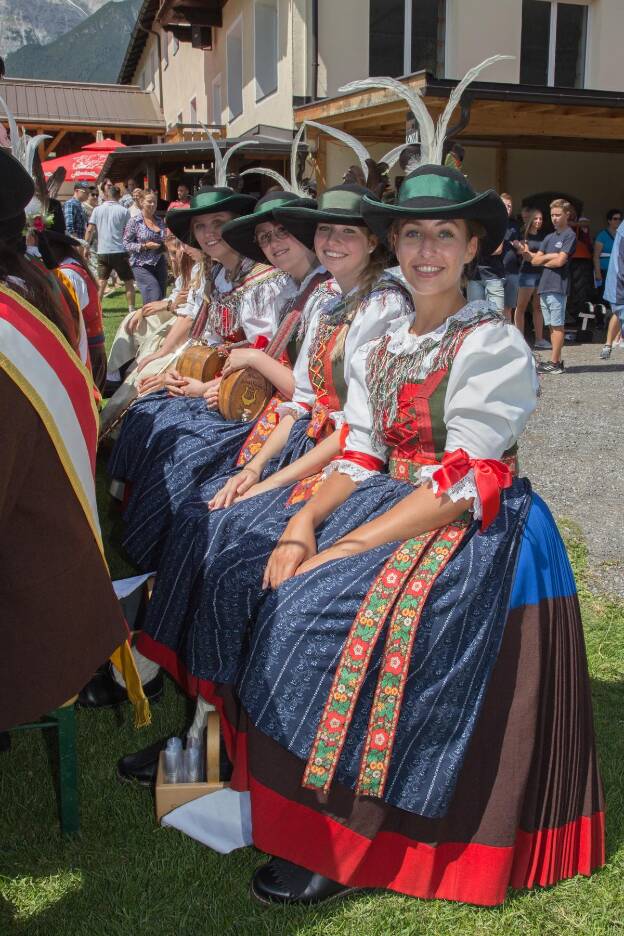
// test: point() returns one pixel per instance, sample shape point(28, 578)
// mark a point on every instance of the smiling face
point(207, 231)
point(344, 249)
point(432, 254)
point(281, 249)
point(149, 204)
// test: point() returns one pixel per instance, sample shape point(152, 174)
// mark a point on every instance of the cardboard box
point(171, 795)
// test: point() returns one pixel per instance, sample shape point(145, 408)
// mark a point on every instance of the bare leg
point(613, 330)
point(557, 336)
point(524, 297)
point(130, 295)
point(538, 318)
point(101, 289)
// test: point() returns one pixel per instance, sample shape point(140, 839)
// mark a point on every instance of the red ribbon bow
point(491, 477)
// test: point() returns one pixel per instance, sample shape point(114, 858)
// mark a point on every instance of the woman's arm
point(253, 470)
point(306, 466)
point(131, 245)
point(177, 335)
point(277, 374)
point(598, 248)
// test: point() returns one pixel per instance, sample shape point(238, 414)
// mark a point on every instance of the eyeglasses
point(264, 239)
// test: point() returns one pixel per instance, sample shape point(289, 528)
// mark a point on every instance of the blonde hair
point(375, 267)
point(565, 206)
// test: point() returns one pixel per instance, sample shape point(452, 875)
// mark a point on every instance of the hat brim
point(486, 208)
point(240, 232)
point(302, 222)
point(179, 220)
point(17, 187)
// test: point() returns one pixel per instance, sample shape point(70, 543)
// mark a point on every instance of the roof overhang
point(166, 156)
point(512, 116)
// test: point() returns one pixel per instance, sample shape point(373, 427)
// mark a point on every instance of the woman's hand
point(339, 550)
point(181, 298)
point(233, 488)
point(151, 245)
point(238, 358)
point(151, 308)
point(188, 386)
point(170, 379)
point(155, 356)
point(133, 323)
point(211, 393)
point(296, 545)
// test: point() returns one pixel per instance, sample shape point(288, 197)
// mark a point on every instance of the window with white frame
point(554, 42)
point(406, 36)
point(265, 47)
point(234, 59)
point(216, 101)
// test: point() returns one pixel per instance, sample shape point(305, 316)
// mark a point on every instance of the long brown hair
point(30, 283)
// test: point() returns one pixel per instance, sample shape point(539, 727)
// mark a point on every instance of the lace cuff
point(338, 418)
point(296, 410)
point(357, 473)
point(464, 489)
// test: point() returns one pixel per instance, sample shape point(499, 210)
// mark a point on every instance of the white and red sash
point(36, 356)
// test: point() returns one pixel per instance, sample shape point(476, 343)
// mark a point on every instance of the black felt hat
point(341, 204)
point(16, 190)
point(208, 200)
point(240, 232)
point(438, 193)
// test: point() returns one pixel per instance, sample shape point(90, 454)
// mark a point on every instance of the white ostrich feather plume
point(292, 186)
point(221, 162)
point(360, 151)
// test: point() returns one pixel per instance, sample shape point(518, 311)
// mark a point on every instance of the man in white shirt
point(109, 220)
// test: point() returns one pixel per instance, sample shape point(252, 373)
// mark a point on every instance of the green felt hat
point(437, 193)
point(240, 232)
point(341, 204)
point(207, 201)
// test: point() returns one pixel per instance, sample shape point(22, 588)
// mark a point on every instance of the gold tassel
point(123, 661)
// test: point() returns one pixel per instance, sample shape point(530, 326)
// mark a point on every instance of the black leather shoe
point(280, 881)
point(142, 766)
point(103, 690)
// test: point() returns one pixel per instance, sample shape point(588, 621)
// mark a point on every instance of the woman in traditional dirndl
point(415, 686)
point(207, 585)
point(202, 443)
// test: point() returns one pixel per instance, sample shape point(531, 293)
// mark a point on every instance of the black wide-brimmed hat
point(16, 190)
point(437, 193)
point(341, 204)
point(208, 200)
point(240, 232)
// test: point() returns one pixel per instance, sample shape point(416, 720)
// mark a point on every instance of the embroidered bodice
point(469, 385)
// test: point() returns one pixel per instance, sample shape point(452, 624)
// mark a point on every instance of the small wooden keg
point(243, 394)
point(202, 362)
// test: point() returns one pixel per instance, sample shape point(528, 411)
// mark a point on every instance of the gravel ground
point(573, 452)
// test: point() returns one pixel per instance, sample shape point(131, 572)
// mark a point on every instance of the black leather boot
point(103, 690)
point(282, 882)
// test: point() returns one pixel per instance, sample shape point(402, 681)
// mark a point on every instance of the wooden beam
point(501, 169)
point(51, 147)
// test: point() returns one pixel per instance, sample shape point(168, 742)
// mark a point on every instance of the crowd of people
point(354, 574)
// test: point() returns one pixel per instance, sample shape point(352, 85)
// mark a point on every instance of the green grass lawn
point(125, 876)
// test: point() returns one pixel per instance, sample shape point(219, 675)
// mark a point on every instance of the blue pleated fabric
point(141, 425)
point(198, 544)
point(199, 446)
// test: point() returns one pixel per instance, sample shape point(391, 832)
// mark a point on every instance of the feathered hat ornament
point(293, 185)
point(26, 150)
point(221, 161)
point(432, 135)
point(370, 173)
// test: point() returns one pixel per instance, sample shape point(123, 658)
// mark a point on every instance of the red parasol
point(84, 165)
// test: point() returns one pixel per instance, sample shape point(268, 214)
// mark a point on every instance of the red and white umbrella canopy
point(86, 164)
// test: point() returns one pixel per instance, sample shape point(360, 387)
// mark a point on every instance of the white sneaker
point(542, 345)
point(605, 354)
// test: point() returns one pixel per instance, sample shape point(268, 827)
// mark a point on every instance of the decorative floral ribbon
point(404, 585)
point(491, 477)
